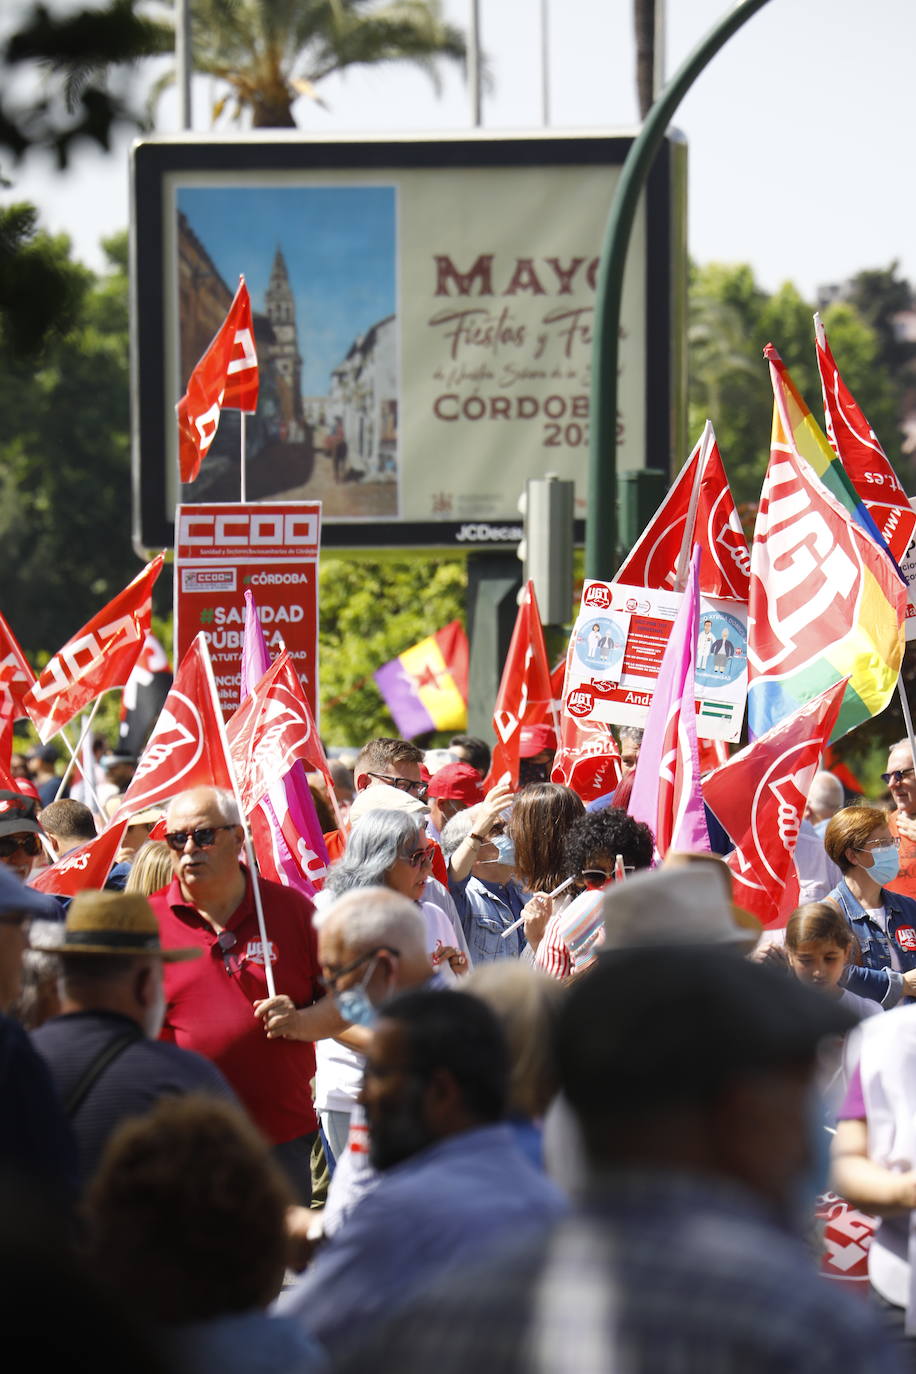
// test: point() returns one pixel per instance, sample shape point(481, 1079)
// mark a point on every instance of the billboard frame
point(153, 160)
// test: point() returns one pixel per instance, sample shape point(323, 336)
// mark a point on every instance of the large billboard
point(423, 316)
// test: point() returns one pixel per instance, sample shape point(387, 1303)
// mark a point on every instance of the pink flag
point(284, 823)
point(666, 786)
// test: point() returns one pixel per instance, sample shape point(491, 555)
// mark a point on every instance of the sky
point(799, 131)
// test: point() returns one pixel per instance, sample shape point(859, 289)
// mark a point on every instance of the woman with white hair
point(385, 848)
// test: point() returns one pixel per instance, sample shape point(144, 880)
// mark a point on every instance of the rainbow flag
point(826, 600)
point(426, 687)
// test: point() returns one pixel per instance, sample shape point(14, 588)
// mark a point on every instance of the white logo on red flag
point(861, 454)
point(185, 749)
point(86, 867)
point(726, 565)
point(759, 798)
point(226, 378)
point(272, 728)
point(16, 676)
point(524, 690)
point(99, 656)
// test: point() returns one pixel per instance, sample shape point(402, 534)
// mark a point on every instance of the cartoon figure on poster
point(721, 651)
point(600, 645)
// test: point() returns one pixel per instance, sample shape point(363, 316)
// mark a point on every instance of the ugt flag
point(759, 797)
point(826, 601)
point(699, 498)
point(226, 378)
point(99, 656)
point(426, 687)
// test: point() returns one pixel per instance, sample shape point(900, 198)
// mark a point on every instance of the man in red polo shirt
point(211, 1001)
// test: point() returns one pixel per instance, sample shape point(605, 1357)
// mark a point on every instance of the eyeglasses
point(896, 775)
point(874, 845)
point(331, 981)
point(204, 837)
point(29, 844)
point(419, 789)
point(419, 858)
point(226, 941)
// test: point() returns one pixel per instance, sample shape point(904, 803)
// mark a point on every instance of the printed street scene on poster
point(617, 647)
point(269, 549)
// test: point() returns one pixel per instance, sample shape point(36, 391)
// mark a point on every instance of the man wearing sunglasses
point(20, 833)
point(901, 782)
point(213, 1005)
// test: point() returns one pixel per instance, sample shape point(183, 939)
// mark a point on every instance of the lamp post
point(601, 521)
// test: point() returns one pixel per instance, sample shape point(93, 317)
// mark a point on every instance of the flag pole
point(683, 560)
point(907, 718)
point(75, 750)
point(249, 847)
point(243, 485)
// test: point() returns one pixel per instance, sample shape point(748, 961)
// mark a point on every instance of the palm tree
point(270, 52)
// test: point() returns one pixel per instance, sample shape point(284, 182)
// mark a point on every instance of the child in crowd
point(819, 945)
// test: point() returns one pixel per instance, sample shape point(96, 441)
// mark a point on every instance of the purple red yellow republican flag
point(426, 687)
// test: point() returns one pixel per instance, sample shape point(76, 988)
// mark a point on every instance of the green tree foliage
point(731, 321)
point(64, 457)
point(371, 611)
point(270, 52)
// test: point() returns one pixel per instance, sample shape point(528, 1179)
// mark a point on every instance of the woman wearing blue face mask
point(858, 840)
point(489, 900)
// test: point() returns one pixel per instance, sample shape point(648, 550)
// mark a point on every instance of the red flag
point(523, 689)
point(83, 868)
point(271, 729)
point(865, 461)
point(587, 759)
point(186, 747)
point(99, 656)
point(726, 565)
point(226, 378)
point(16, 676)
point(759, 797)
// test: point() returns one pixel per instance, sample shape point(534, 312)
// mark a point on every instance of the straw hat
point(115, 923)
point(672, 906)
point(380, 797)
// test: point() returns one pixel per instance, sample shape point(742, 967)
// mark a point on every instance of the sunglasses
point(29, 844)
point(898, 775)
point(204, 837)
point(596, 877)
point(419, 789)
point(419, 858)
point(226, 941)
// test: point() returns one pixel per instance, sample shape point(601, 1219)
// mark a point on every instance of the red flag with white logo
point(84, 868)
point(226, 378)
point(271, 729)
point(865, 461)
point(702, 497)
point(523, 690)
point(759, 797)
point(16, 676)
point(185, 749)
point(587, 757)
point(99, 656)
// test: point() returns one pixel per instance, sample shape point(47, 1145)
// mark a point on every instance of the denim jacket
point(875, 978)
point(486, 910)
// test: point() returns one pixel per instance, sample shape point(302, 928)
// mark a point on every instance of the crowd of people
point(509, 1090)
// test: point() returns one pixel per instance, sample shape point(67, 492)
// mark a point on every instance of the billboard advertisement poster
point(617, 646)
point(423, 316)
point(271, 550)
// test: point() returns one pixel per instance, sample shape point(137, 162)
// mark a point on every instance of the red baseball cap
point(457, 782)
point(534, 739)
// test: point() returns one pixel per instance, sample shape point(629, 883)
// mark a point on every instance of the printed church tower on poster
point(284, 350)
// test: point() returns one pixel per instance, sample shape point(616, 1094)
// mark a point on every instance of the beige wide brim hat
point(115, 923)
point(673, 906)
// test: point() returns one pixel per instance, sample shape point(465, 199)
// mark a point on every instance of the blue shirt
point(485, 911)
point(444, 1205)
